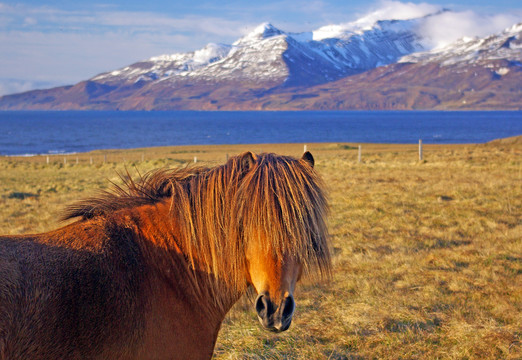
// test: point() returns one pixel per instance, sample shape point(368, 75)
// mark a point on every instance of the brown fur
point(151, 268)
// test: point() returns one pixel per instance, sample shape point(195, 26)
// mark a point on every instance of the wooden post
point(420, 150)
point(104, 158)
point(359, 156)
point(304, 148)
point(48, 160)
point(227, 157)
point(64, 160)
point(91, 160)
point(77, 160)
point(195, 159)
point(142, 157)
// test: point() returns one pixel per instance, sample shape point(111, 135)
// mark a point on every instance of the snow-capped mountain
point(479, 74)
point(386, 64)
point(268, 53)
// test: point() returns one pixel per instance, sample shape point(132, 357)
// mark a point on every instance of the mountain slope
point(384, 66)
point(478, 74)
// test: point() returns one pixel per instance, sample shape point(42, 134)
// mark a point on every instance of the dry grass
point(428, 255)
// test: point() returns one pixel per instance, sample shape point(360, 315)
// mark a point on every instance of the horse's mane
point(149, 188)
point(278, 200)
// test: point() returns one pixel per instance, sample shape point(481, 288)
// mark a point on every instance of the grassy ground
point(428, 255)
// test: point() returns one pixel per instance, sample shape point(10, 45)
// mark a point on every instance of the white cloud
point(42, 45)
point(13, 86)
point(439, 29)
point(384, 10)
point(101, 20)
point(71, 57)
point(29, 21)
point(447, 27)
point(396, 10)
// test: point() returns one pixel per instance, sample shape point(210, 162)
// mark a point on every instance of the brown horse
point(149, 269)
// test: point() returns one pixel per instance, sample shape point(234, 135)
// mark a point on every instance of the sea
point(63, 132)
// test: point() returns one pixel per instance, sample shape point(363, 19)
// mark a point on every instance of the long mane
point(278, 200)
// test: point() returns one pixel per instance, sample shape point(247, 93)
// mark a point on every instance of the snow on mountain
point(261, 32)
point(268, 54)
point(271, 55)
point(363, 25)
point(168, 65)
point(504, 46)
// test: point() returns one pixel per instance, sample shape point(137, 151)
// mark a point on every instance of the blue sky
point(50, 43)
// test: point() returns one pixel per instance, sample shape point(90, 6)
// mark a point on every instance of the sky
point(51, 43)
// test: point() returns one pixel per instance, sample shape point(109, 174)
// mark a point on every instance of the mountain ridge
point(384, 66)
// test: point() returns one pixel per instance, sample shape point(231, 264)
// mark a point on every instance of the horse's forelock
point(283, 199)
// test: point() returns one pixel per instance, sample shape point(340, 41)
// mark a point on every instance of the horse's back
point(62, 299)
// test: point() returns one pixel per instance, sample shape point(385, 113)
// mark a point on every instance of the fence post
point(304, 148)
point(77, 160)
point(64, 160)
point(91, 160)
point(359, 157)
point(195, 159)
point(48, 160)
point(420, 150)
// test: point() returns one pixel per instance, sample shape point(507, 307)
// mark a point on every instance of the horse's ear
point(247, 161)
point(308, 158)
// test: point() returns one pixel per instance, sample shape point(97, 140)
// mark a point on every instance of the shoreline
point(210, 155)
point(264, 147)
point(512, 140)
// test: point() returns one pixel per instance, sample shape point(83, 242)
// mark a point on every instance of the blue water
point(48, 132)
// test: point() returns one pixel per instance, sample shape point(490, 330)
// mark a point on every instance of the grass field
point(427, 254)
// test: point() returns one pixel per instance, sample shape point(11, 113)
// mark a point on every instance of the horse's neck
point(160, 233)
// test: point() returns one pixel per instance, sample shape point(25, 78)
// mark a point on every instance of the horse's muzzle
point(275, 318)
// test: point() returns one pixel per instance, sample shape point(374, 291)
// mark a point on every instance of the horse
point(150, 268)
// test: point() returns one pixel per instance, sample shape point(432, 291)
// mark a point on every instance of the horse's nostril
point(275, 318)
point(262, 305)
point(288, 307)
